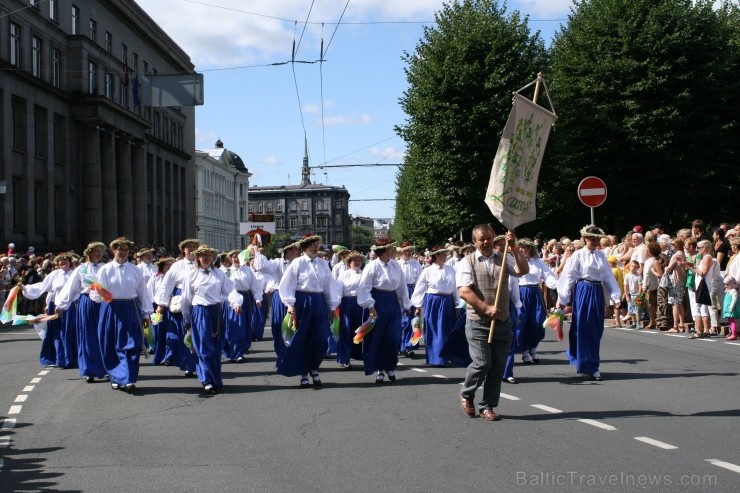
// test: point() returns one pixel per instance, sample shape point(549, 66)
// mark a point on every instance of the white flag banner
point(512, 189)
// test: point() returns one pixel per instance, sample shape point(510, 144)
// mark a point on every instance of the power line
point(322, 166)
point(371, 200)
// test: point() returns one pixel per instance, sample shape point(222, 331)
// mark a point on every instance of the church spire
point(305, 172)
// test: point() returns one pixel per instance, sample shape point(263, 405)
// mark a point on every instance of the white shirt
point(435, 279)
point(148, 270)
point(538, 272)
point(173, 279)
point(308, 275)
point(349, 282)
point(411, 270)
point(273, 269)
point(52, 284)
point(207, 287)
point(590, 265)
point(74, 286)
point(464, 273)
point(386, 277)
point(125, 282)
point(245, 280)
point(338, 269)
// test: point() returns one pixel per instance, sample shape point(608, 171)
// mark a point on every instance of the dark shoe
point(489, 415)
point(467, 406)
point(89, 379)
point(535, 356)
point(167, 362)
point(189, 374)
point(130, 388)
point(392, 376)
point(115, 386)
point(240, 359)
point(510, 380)
point(304, 382)
point(596, 377)
point(316, 379)
point(379, 379)
point(209, 388)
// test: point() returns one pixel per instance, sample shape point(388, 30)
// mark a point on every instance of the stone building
point(83, 156)
point(222, 183)
point(305, 208)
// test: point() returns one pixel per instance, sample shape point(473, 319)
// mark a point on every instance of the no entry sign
point(592, 191)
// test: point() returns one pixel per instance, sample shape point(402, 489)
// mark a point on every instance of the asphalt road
point(663, 419)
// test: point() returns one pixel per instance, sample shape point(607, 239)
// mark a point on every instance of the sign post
point(592, 193)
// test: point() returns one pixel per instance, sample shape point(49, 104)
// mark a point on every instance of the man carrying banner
point(477, 278)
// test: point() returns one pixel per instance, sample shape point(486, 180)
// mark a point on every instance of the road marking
point(2, 462)
point(547, 408)
point(28, 388)
point(4, 442)
point(598, 424)
point(440, 376)
point(43, 372)
point(733, 343)
point(8, 424)
point(677, 335)
point(420, 370)
point(726, 465)
point(510, 397)
point(650, 441)
point(649, 331)
point(621, 328)
point(35, 380)
point(21, 398)
point(14, 410)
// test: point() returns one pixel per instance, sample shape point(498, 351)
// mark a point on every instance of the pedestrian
point(307, 289)
point(383, 292)
point(162, 330)
point(123, 318)
point(582, 286)
point(76, 292)
point(204, 290)
point(477, 279)
point(435, 295)
point(144, 258)
point(238, 338)
point(411, 271)
point(351, 314)
point(731, 308)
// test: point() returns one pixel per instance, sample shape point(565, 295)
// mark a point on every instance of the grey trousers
point(489, 360)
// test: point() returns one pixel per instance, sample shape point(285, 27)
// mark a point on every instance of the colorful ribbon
point(364, 330)
point(555, 321)
point(10, 308)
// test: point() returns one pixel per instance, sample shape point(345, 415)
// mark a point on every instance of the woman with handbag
point(702, 271)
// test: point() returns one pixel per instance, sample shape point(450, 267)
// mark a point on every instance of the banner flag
point(512, 188)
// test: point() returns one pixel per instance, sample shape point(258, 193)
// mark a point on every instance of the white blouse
point(310, 276)
point(386, 277)
point(52, 284)
point(245, 280)
point(207, 287)
point(74, 286)
point(125, 282)
point(173, 279)
point(538, 272)
point(435, 279)
point(411, 270)
point(349, 281)
point(590, 265)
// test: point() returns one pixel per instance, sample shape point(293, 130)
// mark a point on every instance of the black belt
point(590, 282)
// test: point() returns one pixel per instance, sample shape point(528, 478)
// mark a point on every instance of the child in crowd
point(632, 283)
point(619, 276)
point(731, 308)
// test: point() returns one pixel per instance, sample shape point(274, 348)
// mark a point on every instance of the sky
point(346, 107)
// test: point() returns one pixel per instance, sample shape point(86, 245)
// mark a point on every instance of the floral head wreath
point(92, 246)
point(381, 247)
point(591, 231)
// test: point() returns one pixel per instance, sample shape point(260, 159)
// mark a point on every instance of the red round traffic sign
point(592, 191)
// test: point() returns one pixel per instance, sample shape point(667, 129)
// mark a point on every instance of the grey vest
point(485, 285)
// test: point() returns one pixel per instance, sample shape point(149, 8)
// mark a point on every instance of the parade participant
point(307, 289)
point(162, 329)
point(435, 295)
point(341, 264)
point(258, 310)
point(204, 290)
point(477, 279)
point(383, 292)
point(144, 257)
point(89, 355)
point(582, 286)
point(238, 333)
point(59, 346)
point(167, 297)
point(351, 314)
point(122, 319)
point(275, 269)
point(532, 313)
point(411, 269)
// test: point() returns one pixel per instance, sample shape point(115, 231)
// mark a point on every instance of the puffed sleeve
point(288, 284)
point(364, 296)
point(71, 291)
point(422, 284)
point(186, 302)
point(229, 292)
point(34, 291)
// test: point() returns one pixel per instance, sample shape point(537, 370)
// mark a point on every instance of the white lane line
point(726, 465)
point(440, 376)
point(21, 398)
point(43, 372)
point(2, 463)
point(621, 328)
point(677, 335)
point(733, 343)
point(510, 397)
point(15, 409)
point(8, 424)
point(650, 441)
point(420, 370)
point(28, 388)
point(4, 442)
point(598, 424)
point(35, 380)
point(547, 408)
point(649, 331)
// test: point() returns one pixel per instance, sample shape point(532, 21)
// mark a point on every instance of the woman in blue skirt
point(75, 292)
point(238, 337)
point(382, 291)
point(204, 291)
point(351, 314)
point(122, 319)
point(581, 285)
point(307, 289)
point(160, 329)
point(435, 295)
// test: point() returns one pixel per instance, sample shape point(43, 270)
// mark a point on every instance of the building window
point(53, 10)
point(75, 20)
point(279, 206)
point(304, 205)
point(279, 222)
point(293, 222)
point(56, 68)
point(92, 78)
point(108, 42)
point(321, 222)
point(135, 63)
point(259, 207)
point(124, 55)
point(35, 4)
point(15, 45)
point(109, 85)
point(93, 31)
point(251, 207)
point(269, 207)
point(293, 206)
point(123, 96)
point(36, 57)
point(305, 220)
point(18, 125)
point(40, 134)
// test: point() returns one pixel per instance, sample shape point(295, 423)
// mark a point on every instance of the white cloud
point(351, 119)
point(390, 153)
point(310, 108)
point(271, 160)
point(542, 9)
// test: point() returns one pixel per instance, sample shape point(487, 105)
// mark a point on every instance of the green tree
point(277, 241)
point(461, 76)
point(361, 237)
point(643, 90)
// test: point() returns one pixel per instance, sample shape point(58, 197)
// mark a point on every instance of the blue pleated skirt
point(119, 332)
point(351, 316)
point(206, 325)
point(380, 346)
point(439, 320)
point(531, 316)
point(308, 345)
point(89, 357)
point(237, 336)
point(586, 327)
point(276, 322)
